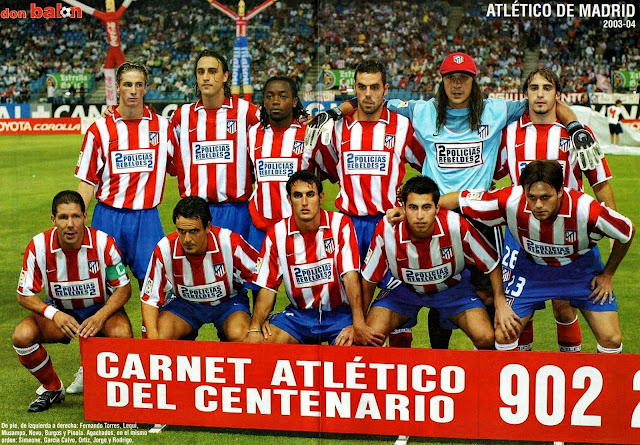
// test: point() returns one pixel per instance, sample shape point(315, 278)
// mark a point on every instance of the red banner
point(63, 125)
point(459, 394)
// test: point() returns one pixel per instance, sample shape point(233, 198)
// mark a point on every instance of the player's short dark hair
point(548, 74)
point(543, 170)
point(421, 185)
point(618, 102)
point(67, 197)
point(371, 67)
point(192, 207)
point(133, 66)
point(304, 176)
point(225, 69)
point(298, 109)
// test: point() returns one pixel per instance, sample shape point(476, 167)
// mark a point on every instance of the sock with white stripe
point(37, 361)
point(569, 336)
point(604, 350)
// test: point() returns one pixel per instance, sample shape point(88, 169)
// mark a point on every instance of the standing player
point(367, 154)
point(315, 253)
point(276, 148)
point(80, 270)
point(199, 263)
point(460, 132)
point(212, 161)
point(428, 251)
point(124, 160)
point(538, 135)
point(614, 114)
point(558, 229)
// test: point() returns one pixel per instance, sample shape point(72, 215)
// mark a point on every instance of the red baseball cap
point(458, 62)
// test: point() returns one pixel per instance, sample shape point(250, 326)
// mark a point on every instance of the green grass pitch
point(34, 168)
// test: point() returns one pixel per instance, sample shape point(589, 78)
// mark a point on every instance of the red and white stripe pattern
point(212, 161)
point(433, 264)
point(311, 263)
point(127, 160)
point(209, 279)
point(523, 142)
point(581, 222)
point(276, 153)
point(370, 161)
point(73, 279)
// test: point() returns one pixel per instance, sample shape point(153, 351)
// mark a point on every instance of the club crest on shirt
point(446, 253)
point(154, 137)
point(93, 265)
point(219, 269)
point(389, 140)
point(571, 236)
point(232, 126)
point(483, 131)
point(298, 147)
point(329, 246)
point(565, 144)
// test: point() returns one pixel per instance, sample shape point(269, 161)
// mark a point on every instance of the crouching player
point(204, 267)
point(315, 253)
point(558, 230)
point(428, 250)
point(80, 270)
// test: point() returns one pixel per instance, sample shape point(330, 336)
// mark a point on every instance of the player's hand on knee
point(91, 326)
point(507, 322)
point(67, 324)
point(345, 337)
point(583, 147)
point(602, 286)
point(364, 335)
point(395, 215)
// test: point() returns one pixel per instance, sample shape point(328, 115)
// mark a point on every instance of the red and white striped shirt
point(276, 154)
point(523, 142)
point(369, 160)
point(212, 161)
point(581, 222)
point(211, 278)
point(73, 279)
point(127, 160)
point(311, 263)
point(433, 264)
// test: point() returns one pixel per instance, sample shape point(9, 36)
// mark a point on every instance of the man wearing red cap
point(461, 132)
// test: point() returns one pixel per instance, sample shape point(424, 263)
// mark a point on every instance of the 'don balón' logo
point(46, 12)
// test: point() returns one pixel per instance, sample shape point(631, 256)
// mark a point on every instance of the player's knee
point(119, 330)
point(484, 339)
point(611, 340)
point(24, 335)
point(237, 330)
point(564, 313)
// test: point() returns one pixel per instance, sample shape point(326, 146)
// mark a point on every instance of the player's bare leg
point(383, 320)
point(236, 325)
point(606, 329)
point(279, 336)
point(476, 324)
point(172, 327)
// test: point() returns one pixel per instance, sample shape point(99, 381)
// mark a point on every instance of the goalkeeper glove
point(321, 125)
point(584, 147)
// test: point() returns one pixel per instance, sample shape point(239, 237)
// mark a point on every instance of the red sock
point(37, 361)
point(525, 342)
point(569, 336)
point(401, 338)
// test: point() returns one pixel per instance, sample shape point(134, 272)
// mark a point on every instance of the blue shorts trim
point(233, 216)
point(197, 314)
point(306, 326)
point(136, 233)
point(449, 303)
point(531, 284)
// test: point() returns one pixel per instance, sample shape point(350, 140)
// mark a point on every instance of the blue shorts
point(306, 326)
point(531, 283)
point(256, 237)
point(450, 302)
point(80, 315)
point(364, 227)
point(197, 314)
point(231, 215)
point(136, 233)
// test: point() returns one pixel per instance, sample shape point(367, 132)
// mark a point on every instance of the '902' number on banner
point(549, 382)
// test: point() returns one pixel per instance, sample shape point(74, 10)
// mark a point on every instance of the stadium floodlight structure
point(115, 55)
point(241, 67)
